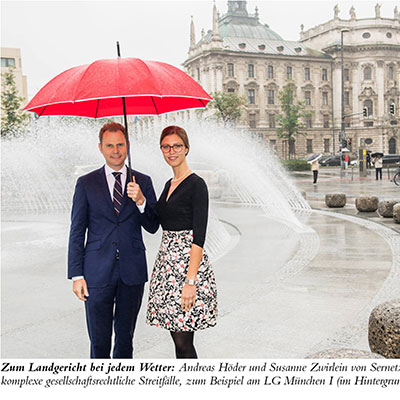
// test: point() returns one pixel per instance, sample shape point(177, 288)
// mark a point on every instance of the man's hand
point(133, 191)
point(79, 287)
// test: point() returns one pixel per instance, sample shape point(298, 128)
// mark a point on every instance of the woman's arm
point(200, 219)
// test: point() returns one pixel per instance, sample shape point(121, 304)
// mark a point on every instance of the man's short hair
point(111, 127)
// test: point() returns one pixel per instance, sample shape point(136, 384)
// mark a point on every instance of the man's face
point(113, 148)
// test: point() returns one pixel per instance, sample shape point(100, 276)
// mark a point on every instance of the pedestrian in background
point(378, 166)
point(314, 169)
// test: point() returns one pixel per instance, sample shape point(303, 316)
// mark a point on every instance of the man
point(109, 268)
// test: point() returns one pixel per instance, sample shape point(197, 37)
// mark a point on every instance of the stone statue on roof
point(336, 11)
point(396, 13)
point(377, 10)
point(352, 12)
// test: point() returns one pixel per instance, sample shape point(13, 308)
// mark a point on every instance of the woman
point(183, 293)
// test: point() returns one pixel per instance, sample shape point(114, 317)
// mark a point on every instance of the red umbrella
point(116, 87)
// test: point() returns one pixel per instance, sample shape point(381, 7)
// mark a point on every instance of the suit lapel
point(105, 191)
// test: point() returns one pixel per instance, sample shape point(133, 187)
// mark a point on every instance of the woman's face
point(174, 150)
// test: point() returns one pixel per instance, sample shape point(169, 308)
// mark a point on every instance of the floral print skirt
point(167, 281)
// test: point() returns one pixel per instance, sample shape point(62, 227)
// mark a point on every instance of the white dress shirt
point(111, 182)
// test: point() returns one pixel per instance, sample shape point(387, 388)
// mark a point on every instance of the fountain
point(260, 238)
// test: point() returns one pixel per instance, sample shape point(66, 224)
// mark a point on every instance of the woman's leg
point(184, 347)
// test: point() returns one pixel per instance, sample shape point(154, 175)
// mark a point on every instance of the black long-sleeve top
point(186, 208)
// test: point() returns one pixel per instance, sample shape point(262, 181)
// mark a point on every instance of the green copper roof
point(259, 31)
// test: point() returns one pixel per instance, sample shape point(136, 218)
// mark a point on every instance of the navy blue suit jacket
point(97, 231)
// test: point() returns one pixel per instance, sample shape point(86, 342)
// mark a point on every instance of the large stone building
point(11, 58)
point(242, 55)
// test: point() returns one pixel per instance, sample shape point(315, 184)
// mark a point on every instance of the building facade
point(11, 58)
point(371, 74)
point(242, 55)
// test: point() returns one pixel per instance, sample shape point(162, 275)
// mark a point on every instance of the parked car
point(331, 161)
point(390, 159)
point(334, 161)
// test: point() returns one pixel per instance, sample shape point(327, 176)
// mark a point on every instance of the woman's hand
point(188, 297)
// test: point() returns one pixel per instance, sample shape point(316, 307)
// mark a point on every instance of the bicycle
point(396, 176)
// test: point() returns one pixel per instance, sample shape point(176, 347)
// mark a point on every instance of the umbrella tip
point(118, 50)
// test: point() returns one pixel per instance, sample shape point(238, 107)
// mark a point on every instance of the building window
point(309, 146)
point(289, 72)
point(368, 104)
point(346, 74)
point(251, 96)
point(260, 136)
point(7, 62)
point(271, 97)
point(346, 98)
point(308, 122)
point(390, 73)
point(307, 97)
point(272, 143)
point(272, 120)
point(366, 35)
point(270, 71)
point(252, 121)
point(324, 74)
point(368, 124)
point(231, 71)
point(326, 145)
point(324, 98)
point(251, 70)
point(367, 73)
point(307, 74)
point(326, 121)
point(231, 90)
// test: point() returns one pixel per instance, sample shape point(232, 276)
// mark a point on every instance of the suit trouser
point(116, 302)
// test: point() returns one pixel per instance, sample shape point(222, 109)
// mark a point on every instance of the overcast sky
point(56, 35)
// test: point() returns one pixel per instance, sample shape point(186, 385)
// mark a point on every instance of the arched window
point(368, 104)
point(367, 73)
point(251, 71)
point(392, 145)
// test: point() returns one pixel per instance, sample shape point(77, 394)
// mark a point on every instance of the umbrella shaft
point(127, 140)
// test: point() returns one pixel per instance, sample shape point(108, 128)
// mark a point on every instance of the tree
point(12, 117)
point(289, 122)
point(228, 106)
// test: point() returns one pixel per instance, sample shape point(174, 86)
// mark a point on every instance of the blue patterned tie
point(117, 193)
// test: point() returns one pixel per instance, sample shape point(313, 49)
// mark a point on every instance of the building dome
point(259, 31)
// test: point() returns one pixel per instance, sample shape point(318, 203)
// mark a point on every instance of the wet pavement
point(283, 292)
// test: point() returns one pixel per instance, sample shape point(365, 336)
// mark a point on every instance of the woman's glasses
point(166, 148)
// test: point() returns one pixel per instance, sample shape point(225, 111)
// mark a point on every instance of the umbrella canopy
point(96, 90)
point(314, 157)
point(116, 87)
point(376, 154)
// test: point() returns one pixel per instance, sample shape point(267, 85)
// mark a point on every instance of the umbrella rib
point(154, 104)
point(42, 111)
point(97, 108)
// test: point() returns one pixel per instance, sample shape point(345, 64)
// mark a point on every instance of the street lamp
point(342, 127)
